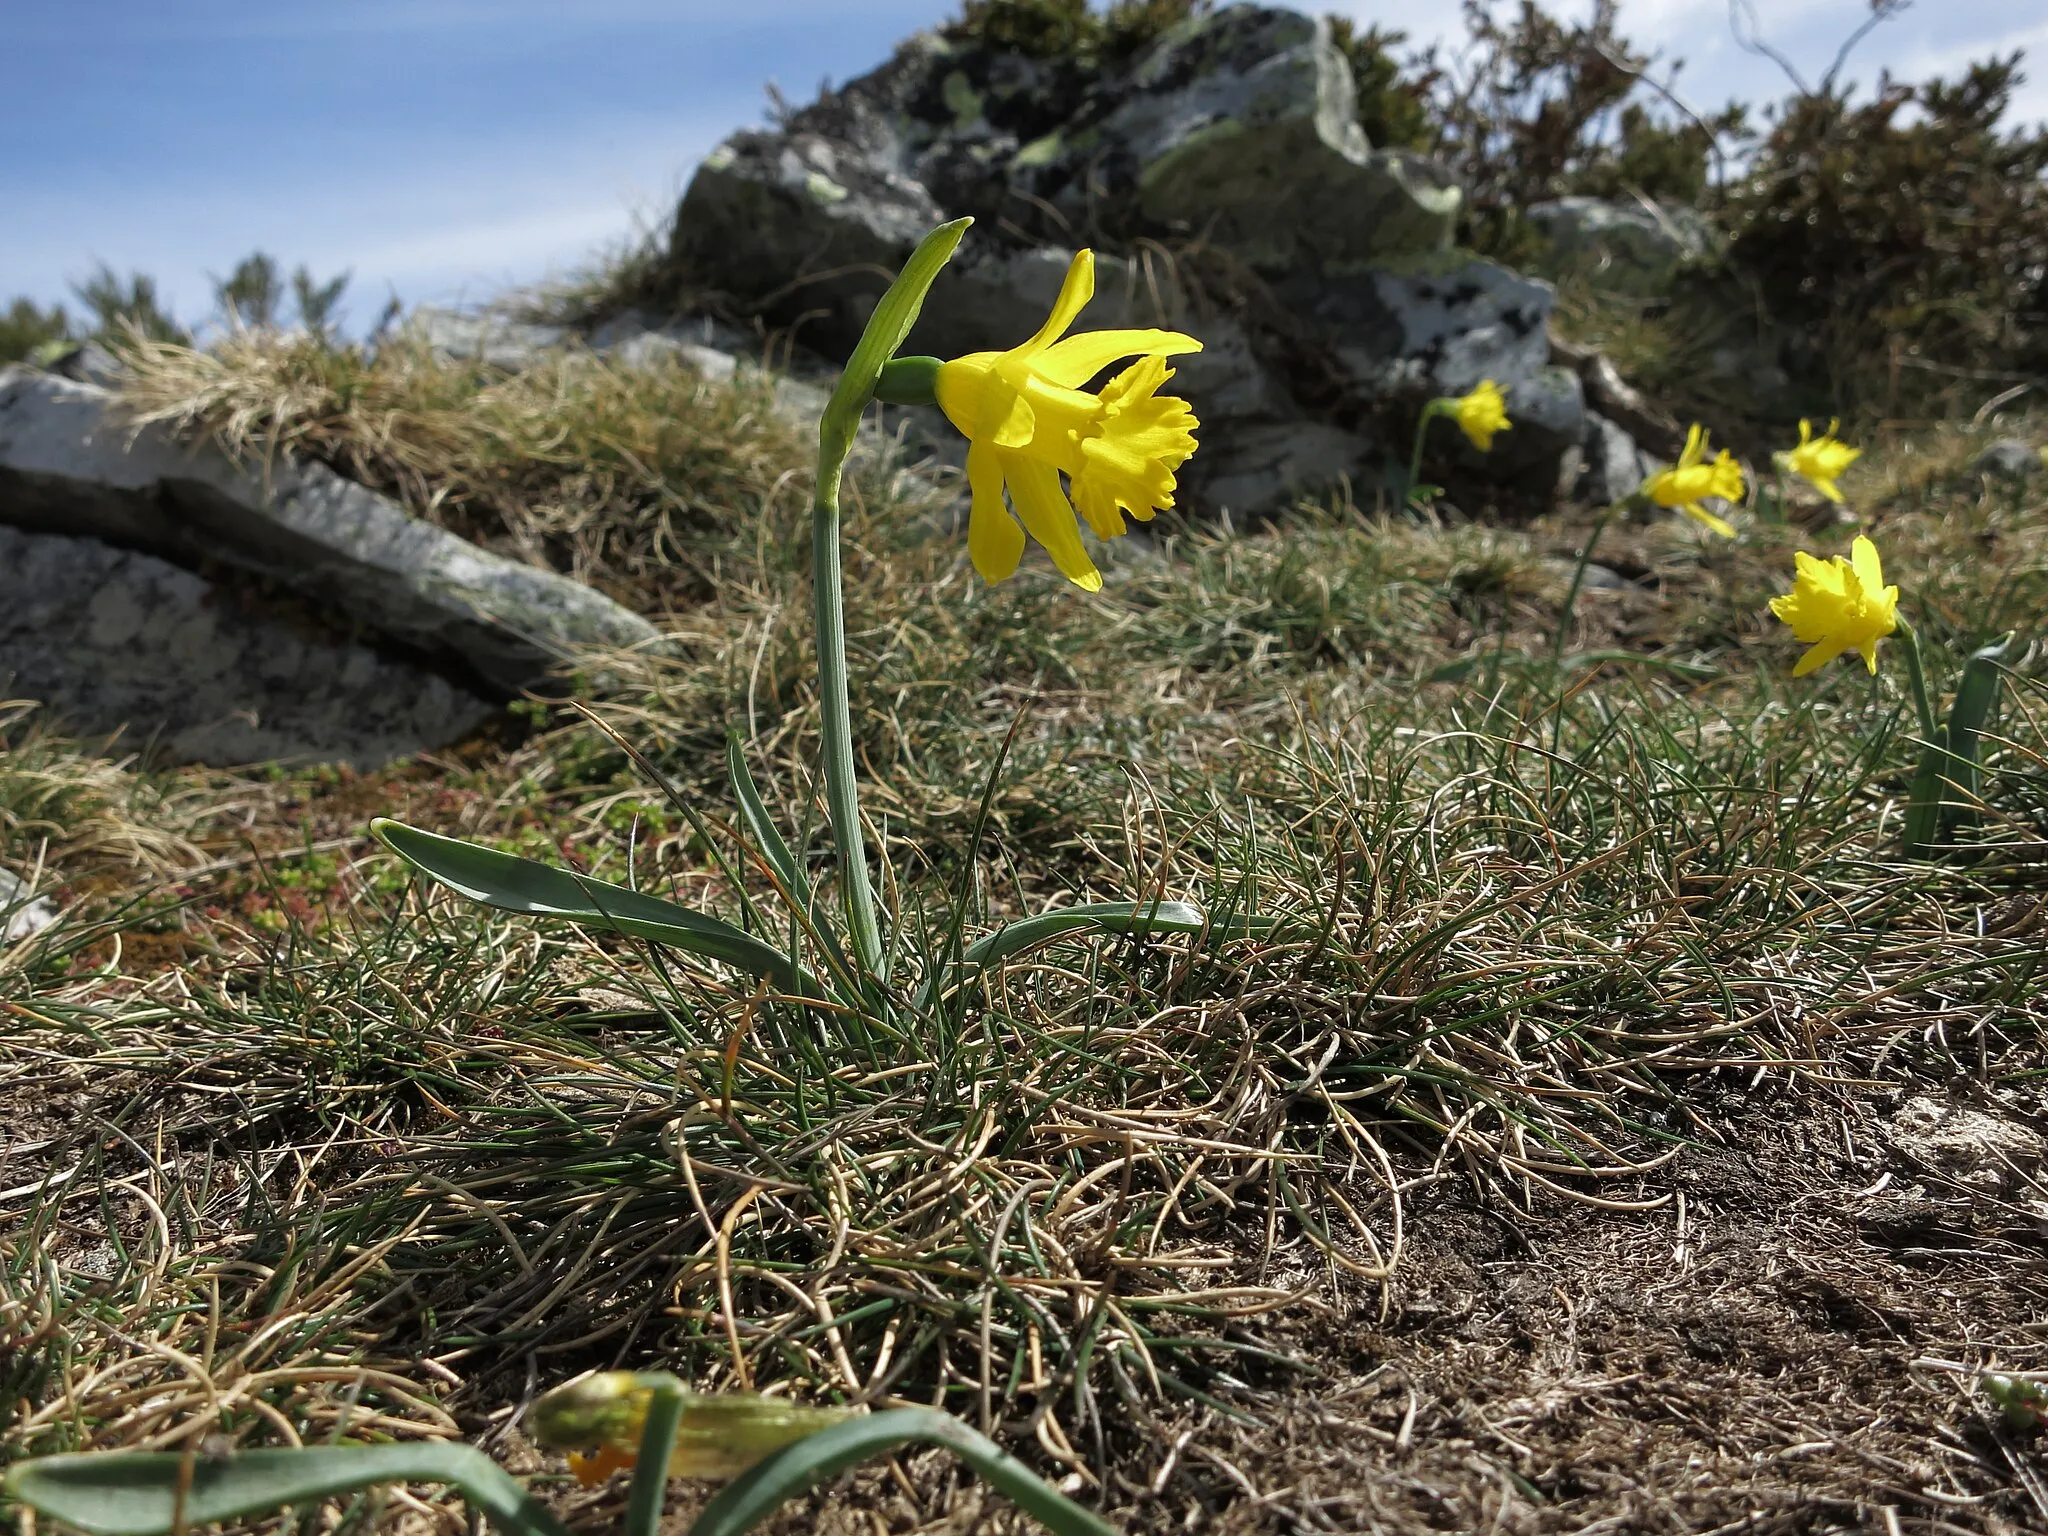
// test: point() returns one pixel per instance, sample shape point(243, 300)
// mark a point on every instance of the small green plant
point(773, 1452)
point(26, 329)
point(254, 295)
point(122, 307)
point(995, 399)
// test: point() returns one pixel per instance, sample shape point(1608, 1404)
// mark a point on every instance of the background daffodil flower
point(1694, 478)
point(1480, 413)
point(1839, 605)
point(1819, 461)
point(1028, 421)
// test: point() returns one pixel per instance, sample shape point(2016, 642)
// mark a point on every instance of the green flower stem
point(835, 724)
point(1916, 677)
point(1923, 798)
point(1571, 597)
point(891, 322)
point(1430, 412)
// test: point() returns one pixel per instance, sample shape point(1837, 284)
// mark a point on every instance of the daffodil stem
point(1571, 596)
point(1429, 413)
point(1916, 679)
point(1923, 798)
point(835, 724)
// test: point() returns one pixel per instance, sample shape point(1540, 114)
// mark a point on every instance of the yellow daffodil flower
point(1480, 413)
point(1028, 421)
point(1693, 478)
point(1839, 605)
point(1819, 461)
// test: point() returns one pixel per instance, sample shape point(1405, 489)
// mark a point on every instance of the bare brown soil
point(1788, 1344)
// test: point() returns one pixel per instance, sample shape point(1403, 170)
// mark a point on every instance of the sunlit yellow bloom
point(1693, 478)
point(1480, 414)
point(1839, 605)
point(1819, 460)
point(1028, 421)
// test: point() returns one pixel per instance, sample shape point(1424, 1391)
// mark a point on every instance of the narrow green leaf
point(1923, 798)
point(513, 884)
point(1096, 917)
point(1967, 716)
point(757, 1494)
point(887, 326)
point(121, 1494)
point(761, 826)
point(657, 1448)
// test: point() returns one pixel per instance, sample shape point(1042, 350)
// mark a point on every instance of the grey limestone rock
point(1262, 466)
point(1986, 1153)
point(2009, 459)
point(115, 640)
point(1434, 329)
point(70, 464)
point(23, 914)
point(1548, 410)
point(1611, 466)
point(802, 227)
point(1241, 126)
point(1229, 192)
point(496, 340)
point(1631, 247)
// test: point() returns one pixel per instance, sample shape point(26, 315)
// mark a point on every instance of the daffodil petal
point(1018, 426)
point(994, 541)
point(1048, 516)
point(1076, 360)
point(1863, 559)
point(1701, 515)
point(1821, 654)
point(1075, 292)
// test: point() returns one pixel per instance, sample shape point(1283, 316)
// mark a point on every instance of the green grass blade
point(886, 328)
point(657, 1449)
point(1094, 917)
point(513, 884)
point(754, 1496)
point(116, 1494)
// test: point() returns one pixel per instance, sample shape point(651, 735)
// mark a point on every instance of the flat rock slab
point(71, 464)
point(116, 640)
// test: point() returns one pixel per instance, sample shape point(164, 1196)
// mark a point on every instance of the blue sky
point(446, 149)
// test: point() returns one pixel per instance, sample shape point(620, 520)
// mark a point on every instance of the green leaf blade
point(122, 1494)
point(751, 1498)
point(514, 884)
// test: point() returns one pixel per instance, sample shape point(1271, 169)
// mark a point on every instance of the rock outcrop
point(114, 640)
point(1222, 177)
point(1634, 247)
point(70, 464)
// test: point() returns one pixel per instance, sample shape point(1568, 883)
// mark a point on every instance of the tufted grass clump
point(629, 477)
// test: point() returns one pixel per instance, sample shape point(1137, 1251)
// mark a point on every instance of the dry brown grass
point(1546, 955)
point(628, 477)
